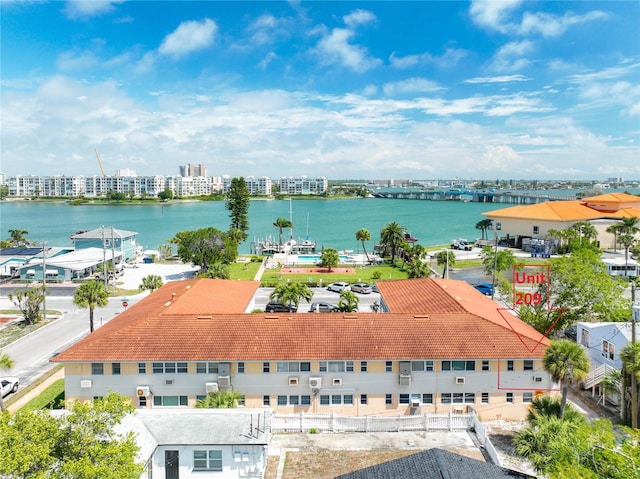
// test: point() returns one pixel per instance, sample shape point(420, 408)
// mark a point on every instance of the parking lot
point(320, 295)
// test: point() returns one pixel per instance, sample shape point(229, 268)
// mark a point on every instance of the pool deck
point(317, 270)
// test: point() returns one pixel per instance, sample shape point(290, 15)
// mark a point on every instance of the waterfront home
point(201, 443)
point(108, 238)
point(441, 347)
point(518, 223)
point(69, 265)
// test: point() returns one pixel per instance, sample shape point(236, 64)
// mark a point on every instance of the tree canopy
point(28, 302)
point(205, 246)
point(151, 282)
point(330, 258)
point(567, 362)
point(363, 235)
point(282, 223)
point(82, 444)
point(91, 294)
point(6, 363)
point(291, 293)
point(392, 237)
point(237, 202)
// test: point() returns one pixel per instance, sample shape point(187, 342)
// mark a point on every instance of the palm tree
point(446, 259)
point(363, 235)
point(151, 282)
point(627, 240)
point(227, 399)
point(291, 293)
point(348, 302)
point(630, 357)
point(392, 236)
point(17, 237)
point(615, 230)
point(567, 362)
point(547, 406)
point(91, 294)
point(483, 226)
point(330, 258)
point(282, 223)
point(6, 363)
point(218, 270)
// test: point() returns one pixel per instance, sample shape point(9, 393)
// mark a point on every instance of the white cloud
point(410, 85)
point(451, 57)
point(190, 36)
point(358, 17)
point(497, 79)
point(84, 9)
point(511, 56)
point(492, 14)
point(549, 25)
point(267, 29)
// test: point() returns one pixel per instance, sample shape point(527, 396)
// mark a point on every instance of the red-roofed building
point(535, 221)
point(439, 346)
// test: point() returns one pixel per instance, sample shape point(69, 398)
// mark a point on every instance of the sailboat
point(305, 246)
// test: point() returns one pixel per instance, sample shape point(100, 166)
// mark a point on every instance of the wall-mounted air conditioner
point(168, 382)
point(459, 380)
point(293, 381)
point(224, 381)
point(315, 383)
point(337, 381)
point(142, 391)
point(405, 380)
point(211, 387)
point(86, 383)
point(415, 403)
point(537, 379)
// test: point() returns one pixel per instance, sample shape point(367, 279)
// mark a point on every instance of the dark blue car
point(485, 288)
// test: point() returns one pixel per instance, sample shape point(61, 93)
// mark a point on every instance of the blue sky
point(503, 89)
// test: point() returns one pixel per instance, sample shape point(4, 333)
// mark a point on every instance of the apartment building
point(443, 347)
point(303, 185)
point(256, 186)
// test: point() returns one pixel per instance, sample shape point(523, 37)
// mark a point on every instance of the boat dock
point(476, 196)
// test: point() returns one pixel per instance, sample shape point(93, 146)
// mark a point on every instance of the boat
point(408, 238)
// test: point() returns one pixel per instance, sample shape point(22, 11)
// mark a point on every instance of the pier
point(476, 196)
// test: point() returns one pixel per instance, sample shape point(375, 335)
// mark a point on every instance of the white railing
point(335, 423)
point(596, 375)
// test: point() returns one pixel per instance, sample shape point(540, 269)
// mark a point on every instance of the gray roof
point(202, 426)
point(104, 232)
point(434, 464)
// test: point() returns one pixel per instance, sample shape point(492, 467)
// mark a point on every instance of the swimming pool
point(316, 258)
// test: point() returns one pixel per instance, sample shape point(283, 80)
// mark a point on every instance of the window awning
point(51, 272)
point(31, 272)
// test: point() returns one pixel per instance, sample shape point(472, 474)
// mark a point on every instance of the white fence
point(334, 423)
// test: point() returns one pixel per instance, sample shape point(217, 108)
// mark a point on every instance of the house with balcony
point(526, 222)
point(441, 347)
point(123, 244)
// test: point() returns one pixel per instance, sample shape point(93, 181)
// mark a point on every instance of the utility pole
point(104, 262)
point(634, 380)
point(495, 259)
point(44, 280)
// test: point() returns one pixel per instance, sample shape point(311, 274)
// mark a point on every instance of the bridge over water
point(476, 196)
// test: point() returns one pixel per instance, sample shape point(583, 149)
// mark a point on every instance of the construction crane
point(99, 162)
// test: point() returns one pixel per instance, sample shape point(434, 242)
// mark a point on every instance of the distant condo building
point(193, 170)
point(128, 183)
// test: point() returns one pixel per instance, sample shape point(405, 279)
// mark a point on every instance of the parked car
point(9, 384)
point(319, 307)
point(485, 288)
point(362, 288)
point(374, 288)
point(275, 307)
point(338, 287)
point(461, 244)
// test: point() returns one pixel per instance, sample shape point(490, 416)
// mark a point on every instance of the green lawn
point(50, 398)
point(364, 274)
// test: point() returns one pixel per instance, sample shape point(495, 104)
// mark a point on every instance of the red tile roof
point(434, 319)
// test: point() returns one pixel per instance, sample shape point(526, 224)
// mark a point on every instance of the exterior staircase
point(596, 375)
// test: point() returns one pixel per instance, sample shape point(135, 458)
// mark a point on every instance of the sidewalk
point(35, 391)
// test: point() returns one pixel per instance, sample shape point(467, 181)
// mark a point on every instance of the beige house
point(442, 347)
point(534, 221)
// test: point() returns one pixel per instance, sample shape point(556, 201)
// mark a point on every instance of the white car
point(9, 385)
point(338, 287)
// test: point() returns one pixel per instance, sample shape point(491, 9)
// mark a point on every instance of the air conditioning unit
point(315, 383)
point(459, 380)
point(211, 387)
point(293, 381)
point(415, 403)
point(142, 391)
point(405, 380)
point(168, 382)
point(86, 383)
point(337, 381)
point(537, 379)
point(224, 381)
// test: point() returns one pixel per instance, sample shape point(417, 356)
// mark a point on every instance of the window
point(458, 365)
point(115, 368)
point(423, 398)
point(364, 400)
point(510, 365)
point(528, 365)
point(485, 365)
point(608, 350)
point(207, 460)
point(241, 367)
point(527, 398)
point(266, 400)
point(498, 225)
point(242, 400)
point(266, 367)
point(97, 368)
point(142, 401)
point(510, 397)
point(457, 398)
point(388, 366)
point(584, 338)
point(168, 401)
point(293, 367)
point(422, 366)
point(336, 366)
point(206, 368)
point(142, 368)
point(404, 399)
point(364, 366)
point(170, 368)
point(485, 398)
point(536, 230)
point(282, 400)
point(336, 399)
point(304, 400)
point(388, 399)
point(446, 398)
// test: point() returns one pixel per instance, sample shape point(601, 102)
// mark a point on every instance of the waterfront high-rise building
point(193, 170)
